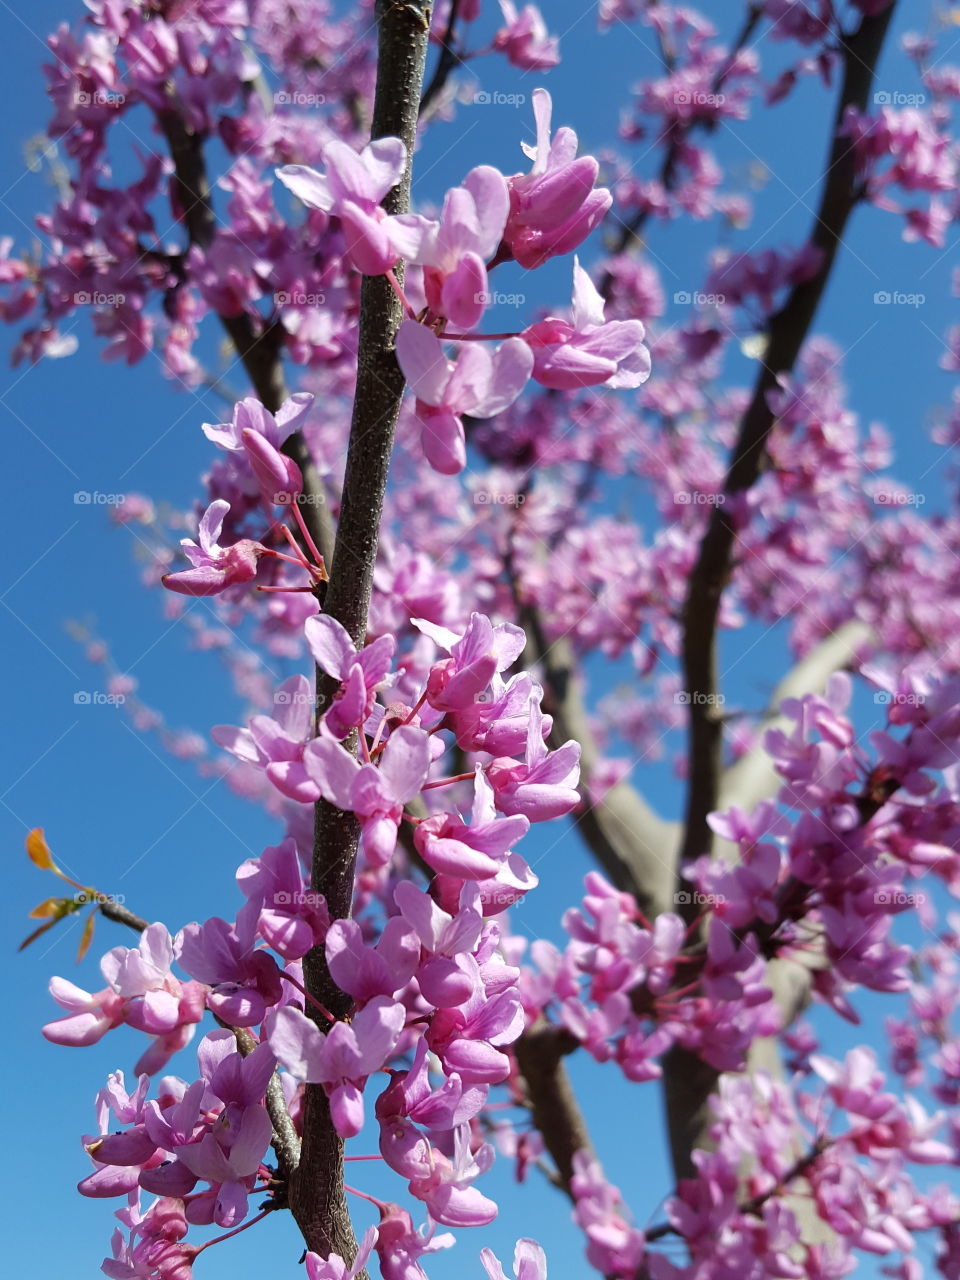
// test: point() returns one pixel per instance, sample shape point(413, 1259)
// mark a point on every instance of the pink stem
point(397, 288)
point(318, 558)
point(235, 1232)
point(477, 337)
point(363, 1196)
point(292, 980)
point(445, 782)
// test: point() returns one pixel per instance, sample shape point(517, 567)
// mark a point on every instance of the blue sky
point(121, 814)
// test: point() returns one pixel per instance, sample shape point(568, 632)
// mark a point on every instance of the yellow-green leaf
point(87, 936)
point(39, 851)
point(36, 934)
point(49, 907)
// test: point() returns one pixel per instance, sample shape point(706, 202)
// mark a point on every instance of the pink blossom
point(342, 1059)
point(215, 568)
point(589, 351)
point(479, 384)
point(375, 793)
point(524, 38)
point(352, 190)
point(555, 206)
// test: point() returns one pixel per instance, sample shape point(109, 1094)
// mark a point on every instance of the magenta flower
point(474, 852)
point(365, 972)
point(409, 1101)
point(455, 250)
point(142, 992)
point(545, 785)
point(448, 1191)
point(400, 1247)
point(525, 39)
point(476, 657)
point(352, 190)
point(448, 973)
point(589, 351)
point(275, 743)
point(529, 1260)
point(334, 1267)
point(229, 1157)
point(554, 207)
point(375, 793)
point(360, 673)
point(479, 384)
point(258, 435)
point(289, 918)
point(342, 1059)
point(244, 981)
point(215, 568)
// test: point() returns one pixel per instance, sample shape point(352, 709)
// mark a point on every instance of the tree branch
point(316, 1194)
point(259, 353)
point(688, 1081)
point(540, 1052)
point(787, 332)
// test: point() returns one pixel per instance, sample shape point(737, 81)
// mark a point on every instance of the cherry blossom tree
point(459, 631)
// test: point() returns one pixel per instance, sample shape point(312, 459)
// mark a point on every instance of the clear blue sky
point(121, 814)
